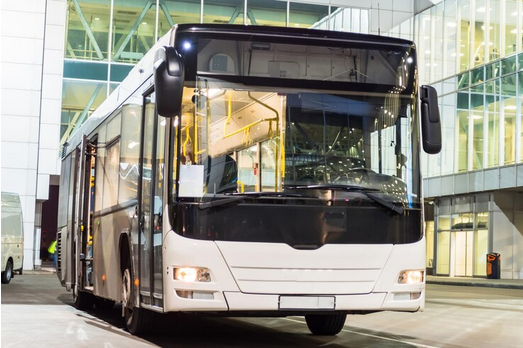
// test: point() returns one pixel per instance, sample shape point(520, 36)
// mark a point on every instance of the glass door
point(151, 203)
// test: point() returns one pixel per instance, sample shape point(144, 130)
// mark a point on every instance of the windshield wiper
point(237, 197)
point(367, 191)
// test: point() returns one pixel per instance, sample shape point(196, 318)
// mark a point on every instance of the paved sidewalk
point(481, 282)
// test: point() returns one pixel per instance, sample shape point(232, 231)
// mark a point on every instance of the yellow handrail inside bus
point(242, 187)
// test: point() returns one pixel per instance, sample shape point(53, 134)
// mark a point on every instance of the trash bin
point(493, 266)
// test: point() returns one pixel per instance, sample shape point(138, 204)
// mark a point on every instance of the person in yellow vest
point(52, 251)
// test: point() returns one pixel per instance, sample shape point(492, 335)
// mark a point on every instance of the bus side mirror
point(169, 74)
point(430, 120)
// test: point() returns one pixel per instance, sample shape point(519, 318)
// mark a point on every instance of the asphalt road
point(36, 312)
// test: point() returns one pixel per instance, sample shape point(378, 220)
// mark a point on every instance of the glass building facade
point(471, 51)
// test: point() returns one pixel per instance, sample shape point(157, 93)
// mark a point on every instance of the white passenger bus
point(12, 236)
point(252, 171)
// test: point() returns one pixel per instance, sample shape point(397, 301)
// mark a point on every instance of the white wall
point(507, 233)
point(33, 33)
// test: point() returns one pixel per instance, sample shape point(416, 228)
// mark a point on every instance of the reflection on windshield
point(262, 141)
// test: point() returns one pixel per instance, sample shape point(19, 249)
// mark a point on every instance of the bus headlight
point(192, 274)
point(410, 277)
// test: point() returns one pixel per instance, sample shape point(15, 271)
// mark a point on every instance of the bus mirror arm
point(430, 120)
point(169, 75)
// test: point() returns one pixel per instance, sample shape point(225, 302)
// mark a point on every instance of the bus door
point(85, 169)
point(151, 204)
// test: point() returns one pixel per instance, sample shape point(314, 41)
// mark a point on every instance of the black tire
point(325, 324)
point(7, 274)
point(82, 300)
point(137, 320)
point(103, 304)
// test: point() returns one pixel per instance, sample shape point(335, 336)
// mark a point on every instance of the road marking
point(373, 336)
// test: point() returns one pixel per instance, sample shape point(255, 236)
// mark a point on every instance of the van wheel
point(325, 324)
point(7, 275)
point(137, 320)
point(82, 300)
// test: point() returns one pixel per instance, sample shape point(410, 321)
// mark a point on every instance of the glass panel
point(443, 255)
point(145, 235)
point(509, 112)
point(100, 162)
point(463, 80)
point(463, 136)
point(492, 70)
point(307, 15)
point(424, 49)
point(510, 22)
point(478, 76)
point(80, 69)
point(133, 29)
point(267, 12)
point(463, 221)
point(79, 100)
point(158, 203)
point(480, 33)
point(248, 167)
point(477, 107)
point(464, 34)
point(130, 152)
point(111, 165)
point(444, 223)
point(270, 179)
point(224, 11)
point(508, 65)
point(480, 252)
point(177, 12)
point(87, 29)
point(437, 42)
point(450, 39)
point(494, 44)
point(493, 130)
point(429, 233)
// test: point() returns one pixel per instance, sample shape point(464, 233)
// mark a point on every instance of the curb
point(476, 284)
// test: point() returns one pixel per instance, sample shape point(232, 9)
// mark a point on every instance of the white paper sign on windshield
point(191, 181)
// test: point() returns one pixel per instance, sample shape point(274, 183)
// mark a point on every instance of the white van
point(12, 236)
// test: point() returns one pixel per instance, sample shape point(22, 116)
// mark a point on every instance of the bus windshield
point(239, 139)
point(354, 62)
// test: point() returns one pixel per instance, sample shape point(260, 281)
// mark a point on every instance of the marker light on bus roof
point(191, 274)
point(410, 277)
point(187, 45)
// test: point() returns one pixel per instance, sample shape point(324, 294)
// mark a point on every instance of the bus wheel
point(82, 300)
point(7, 275)
point(137, 320)
point(325, 324)
point(103, 304)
